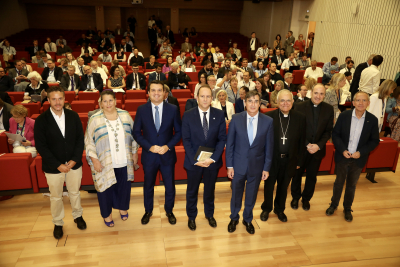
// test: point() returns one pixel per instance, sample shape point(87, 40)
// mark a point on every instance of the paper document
point(118, 90)
point(15, 137)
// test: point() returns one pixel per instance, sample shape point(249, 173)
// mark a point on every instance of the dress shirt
point(51, 77)
point(251, 85)
point(286, 63)
point(352, 70)
point(71, 78)
point(60, 121)
point(225, 85)
point(80, 71)
point(106, 58)
point(315, 74)
point(10, 50)
point(253, 44)
point(91, 85)
point(160, 111)
point(327, 65)
point(180, 60)
point(255, 124)
point(370, 79)
point(262, 52)
point(201, 113)
point(355, 131)
point(102, 73)
point(63, 40)
point(217, 55)
point(136, 81)
point(1, 119)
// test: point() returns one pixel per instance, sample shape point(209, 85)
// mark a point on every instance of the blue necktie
point(205, 125)
point(250, 130)
point(157, 119)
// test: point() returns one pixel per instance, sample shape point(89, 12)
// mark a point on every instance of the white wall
point(298, 24)
point(13, 18)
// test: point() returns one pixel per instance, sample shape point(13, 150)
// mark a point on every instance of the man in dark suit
point(252, 45)
point(355, 135)
point(33, 49)
point(6, 82)
point(157, 129)
point(239, 104)
point(245, 63)
point(125, 46)
point(52, 73)
point(288, 82)
point(6, 98)
point(82, 40)
point(277, 59)
point(176, 80)
point(207, 69)
point(70, 81)
point(152, 34)
point(203, 126)
point(357, 75)
point(136, 59)
point(170, 35)
point(221, 71)
point(91, 81)
point(60, 140)
point(157, 75)
point(249, 150)
point(169, 98)
point(319, 125)
point(301, 95)
point(5, 114)
point(103, 43)
point(191, 103)
point(289, 43)
point(289, 148)
point(135, 80)
point(19, 76)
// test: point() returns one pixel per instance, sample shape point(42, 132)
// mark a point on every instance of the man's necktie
point(157, 119)
point(90, 82)
point(72, 83)
point(136, 81)
point(81, 70)
point(250, 130)
point(205, 125)
point(158, 77)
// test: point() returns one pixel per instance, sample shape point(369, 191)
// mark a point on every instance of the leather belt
point(284, 156)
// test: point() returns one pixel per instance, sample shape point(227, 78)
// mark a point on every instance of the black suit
point(105, 46)
point(128, 47)
point(97, 80)
point(174, 101)
point(54, 148)
point(6, 116)
point(138, 60)
point(356, 78)
point(152, 33)
point(239, 106)
point(318, 131)
point(275, 60)
point(283, 169)
point(191, 103)
point(277, 77)
point(58, 73)
point(292, 87)
point(174, 79)
point(66, 80)
point(6, 84)
point(31, 50)
point(6, 98)
point(298, 100)
point(170, 36)
point(130, 80)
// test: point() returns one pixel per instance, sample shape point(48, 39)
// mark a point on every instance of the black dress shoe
point(249, 227)
point(192, 225)
point(58, 232)
point(281, 216)
point(146, 217)
point(80, 223)
point(330, 210)
point(232, 226)
point(347, 215)
point(294, 204)
point(306, 204)
point(171, 218)
point(264, 216)
point(212, 222)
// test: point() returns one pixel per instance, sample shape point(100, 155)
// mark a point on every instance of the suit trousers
point(168, 176)
point(282, 182)
point(192, 191)
point(312, 165)
point(252, 56)
point(347, 171)
point(238, 186)
point(56, 185)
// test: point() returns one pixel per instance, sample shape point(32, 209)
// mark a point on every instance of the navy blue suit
point(239, 107)
point(153, 77)
point(248, 162)
point(193, 137)
point(146, 135)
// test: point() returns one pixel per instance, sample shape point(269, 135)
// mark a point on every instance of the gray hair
point(175, 65)
point(34, 75)
point(210, 77)
point(312, 61)
point(371, 57)
point(221, 91)
point(287, 75)
point(284, 91)
point(360, 92)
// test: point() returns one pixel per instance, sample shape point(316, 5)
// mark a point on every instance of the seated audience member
point(176, 79)
point(129, 41)
point(254, 65)
point(218, 56)
point(5, 110)
point(81, 64)
point(221, 103)
point(247, 82)
point(309, 83)
point(283, 54)
point(191, 103)
point(260, 69)
point(371, 76)
point(100, 65)
point(303, 62)
point(233, 90)
point(274, 95)
point(277, 59)
point(160, 37)
point(157, 75)
point(103, 43)
point(301, 94)
point(233, 56)
point(348, 68)
point(200, 50)
point(128, 32)
point(313, 71)
point(346, 87)
point(260, 87)
point(105, 56)
point(22, 125)
point(327, 65)
point(125, 46)
point(334, 94)
point(109, 33)
point(287, 63)
point(212, 82)
point(120, 56)
point(91, 81)
point(186, 46)
point(215, 70)
point(181, 58)
point(36, 58)
point(96, 69)
point(121, 69)
point(43, 62)
point(393, 110)
point(269, 58)
point(32, 50)
point(224, 67)
point(136, 59)
point(378, 101)
point(240, 104)
point(83, 40)
point(237, 51)
point(300, 45)
point(237, 72)
point(169, 98)
point(61, 40)
point(64, 64)
point(52, 73)
point(202, 81)
point(224, 82)
point(245, 67)
point(152, 64)
point(210, 49)
point(70, 81)
point(207, 57)
point(113, 46)
point(327, 77)
point(288, 82)
point(262, 52)
point(9, 51)
point(63, 49)
point(49, 46)
point(135, 80)
point(165, 50)
point(87, 58)
point(345, 63)
point(18, 74)
point(167, 66)
point(86, 47)
point(6, 82)
point(71, 59)
point(25, 66)
point(267, 82)
point(193, 56)
point(188, 65)
point(36, 87)
point(116, 80)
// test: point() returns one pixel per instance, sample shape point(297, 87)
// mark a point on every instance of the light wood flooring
point(307, 239)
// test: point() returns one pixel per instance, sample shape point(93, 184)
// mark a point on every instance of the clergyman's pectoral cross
point(284, 139)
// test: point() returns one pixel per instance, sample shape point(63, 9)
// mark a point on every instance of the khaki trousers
point(56, 183)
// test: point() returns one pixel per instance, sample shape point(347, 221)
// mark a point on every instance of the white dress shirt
point(50, 47)
point(91, 85)
point(51, 77)
point(207, 116)
point(102, 73)
point(251, 85)
point(286, 64)
point(370, 80)
point(60, 121)
point(71, 77)
point(1, 119)
point(10, 50)
point(356, 127)
point(225, 85)
point(315, 74)
point(119, 158)
point(253, 44)
point(160, 111)
point(78, 70)
point(218, 57)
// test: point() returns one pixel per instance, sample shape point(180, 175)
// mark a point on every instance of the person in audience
point(269, 58)
point(120, 56)
point(212, 82)
point(19, 76)
point(207, 69)
point(25, 66)
point(157, 75)
point(304, 63)
point(199, 49)
point(215, 70)
point(260, 87)
point(22, 125)
point(193, 32)
point(288, 82)
point(202, 81)
point(96, 69)
point(240, 104)
point(348, 68)
point(237, 51)
point(49, 46)
point(345, 63)
point(5, 114)
point(224, 82)
point(116, 81)
point(207, 57)
point(71, 59)
point(32, 50)
point(221, 103)
point(136, 59)
point(167, 66)
point(313, 71)
point(181, 58)
point(91, 81)
point(262, 52)
point(100, 65)
point(62, 157)
point(128, 41)
point(86, 47)
point(371, 76)
point(129, 33)
point(160, 37)
point(301, 95)
point(352, 150)
point(36, 87)
point(105, 56)
point(186, 46)
point(87, 58)
point(152, 34)
point(253, 44)
point(310, 44)
point(165, 50)
point(288, 152)
point(113, 46)
point(319, 121)
point(275, 76)
point(287, 63)
point(218, 56)
point(6, 82)
point(300, 45)
point(83, 40)
point(193, 56)
point(67, 106)
point(81, 64)
point(61, 40)
point(237, 72)
point(62, 49)
point(152, 64)
point(118, 30)
point(357, 75)
point(328, 76)
point(43, 62)
point(283, 53)
point(378, 101)
point(132, 22)
point(191, 103)
point(289, 42)
point(392, 108)
point(328, 65)
point(103, 43)
point(233, 90)
point(36, 58)
point(210, 48)
point(246, 81)
point(269, 87)
point(260, 70)
point(278, 86)
point(63, 64)
point(122, 72)
point(70, 81)
point(176, 79)
point(126, 47)
point(9, 51)
point(334, 93)
point(135, 80)
point(277, 42)
point(224, 67)
point(214, 137)
point(245, 67)
point(346, 87)
point(170, 35)
point(169, 98)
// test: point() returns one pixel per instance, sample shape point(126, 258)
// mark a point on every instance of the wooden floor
point(307, 239)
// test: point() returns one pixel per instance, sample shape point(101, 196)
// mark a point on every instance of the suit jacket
point(275, 60)
point(54, 148)
point(28, 130)
point(142, 81)
point(356, 78)
point(244, 158)
point(292, 87)
point(153, 76)
point(193, 137)
point(296, 135)
point(324, 128)
point(172, 79)
point(6, 98)
point(170, 36)
point(105, 46)
point(297, 100)
point(50, 47)
point(97, 80)
point(288, 47)
point(12, 73)
point(185, 46)
point(239, 106)
point(369, 138)
point(41, 64)
point(58, 73)
point(251, 72)
point(152, 34)
point(31, 50)
point(258, 44)
point(66, 80)
point(174, 101)
point(128, 47)
point(139, 60)
point(146, 135)
point(230, 111)
point(6, 116)
point(191, 103)
point(7, 84)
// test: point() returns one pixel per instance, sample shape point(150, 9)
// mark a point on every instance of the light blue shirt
point(255, 123)
point(355, 131)
point(327, 65)
point(160, 110)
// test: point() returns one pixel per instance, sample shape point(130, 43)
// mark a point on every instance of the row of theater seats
point(19, 172)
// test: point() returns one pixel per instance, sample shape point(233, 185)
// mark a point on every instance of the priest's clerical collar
point(314, 104)
point(284, 115)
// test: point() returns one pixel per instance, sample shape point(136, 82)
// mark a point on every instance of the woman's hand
point(27, 143)
point(10, 141)
point(97, 165)
point(135, 158)
point(27, 97)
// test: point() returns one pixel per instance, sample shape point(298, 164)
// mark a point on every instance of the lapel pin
point(213, 118)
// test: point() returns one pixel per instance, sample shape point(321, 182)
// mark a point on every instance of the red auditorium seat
point(4, 143)
point(70, 96)
point(34, 108)
point(194, 76)
point(264, 110)
point(83, 106)
point(320, 64)
point(319, 80)
point(181, 93)
point(182, 108)
point(40, 70)
point(182, 101)
point(298, 76)
point(192, 86)
point(33, 65)
point(89, 96)
point(282, 73)
point(135, 94)
point(133, 104)
point(18, 96)
point(34, 116)
point(15, 171)
point(180, 173)
point(384, 155)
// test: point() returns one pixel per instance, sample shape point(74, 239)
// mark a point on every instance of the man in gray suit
point(43, 63)
point(70, 81)
point(186, 46)
point(289, 43)
point(19, 75)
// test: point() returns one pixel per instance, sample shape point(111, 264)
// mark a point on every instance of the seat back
point(83, 106)
point(135, 94)
point(133, 104)
point(184, 93)
point(89, 96)
point(15, 171)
